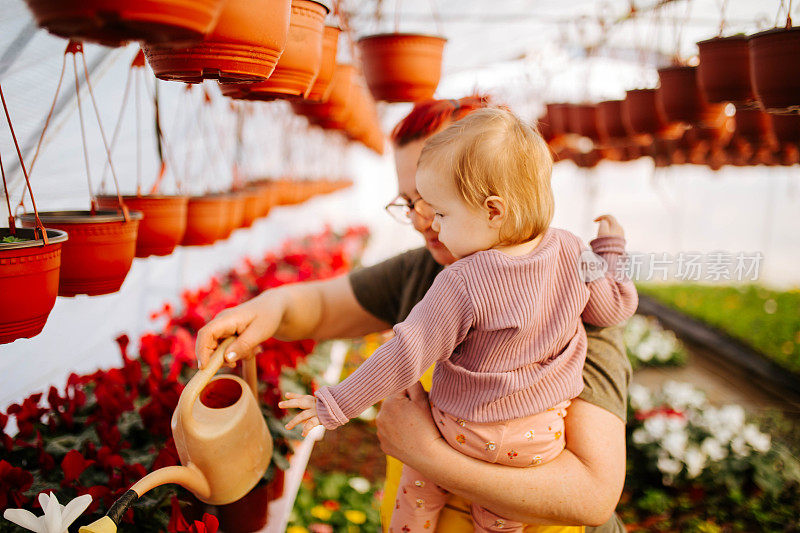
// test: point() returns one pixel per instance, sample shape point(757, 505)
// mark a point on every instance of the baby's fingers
point(310, 424)
point(300, 417)
point(297, 401)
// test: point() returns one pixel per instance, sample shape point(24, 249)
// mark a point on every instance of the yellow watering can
point(222, 440)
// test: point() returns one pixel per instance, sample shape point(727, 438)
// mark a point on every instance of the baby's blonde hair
point(491, 152)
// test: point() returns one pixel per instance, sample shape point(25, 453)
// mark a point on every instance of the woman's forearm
point(581, 486)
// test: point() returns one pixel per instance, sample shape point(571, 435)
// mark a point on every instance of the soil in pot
point(100, 250)
point(29, 274)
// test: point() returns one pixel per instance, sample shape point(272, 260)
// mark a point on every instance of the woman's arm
point(581, 486)
point(311, 310)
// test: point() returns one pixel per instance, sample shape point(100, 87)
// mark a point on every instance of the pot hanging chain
point(162, 145)
point(38, 226)
point(123, 207)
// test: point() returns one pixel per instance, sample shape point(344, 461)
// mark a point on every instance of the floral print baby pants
point(522, 442)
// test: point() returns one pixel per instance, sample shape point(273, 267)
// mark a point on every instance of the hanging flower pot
point(402, 67)
point(334, 113)
point(679, 96)
point(583, 120)
point(29, 272)
point(610, 125)
point(559, 118)
point(236, 212)
point(321, 89)
point(116, 22)
point(244, 45)
point(100, 250)
point(641, 113)
point(253, 200)
point(207, 219)
point(775, 69)
point(724, 70)
point(300, 62)
point(163, 223)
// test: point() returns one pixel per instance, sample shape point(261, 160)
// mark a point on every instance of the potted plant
point(116, 22)
point(300, 61)
point(775, 68)
point(244, 46)
point(402, 67)
point(724, 70)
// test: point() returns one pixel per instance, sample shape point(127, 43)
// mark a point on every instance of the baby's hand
point(609, 227)
point(308, 415)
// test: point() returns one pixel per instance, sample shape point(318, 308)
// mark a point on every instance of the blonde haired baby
point(504, 323)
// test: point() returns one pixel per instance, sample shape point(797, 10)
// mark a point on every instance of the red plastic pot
point(116, 22)
point(236, 212)
point(610, 124)
point(253, 201)
point(163, 225)
point(321, 89)
point(300, 62)
point(775, 69)
point(334, 113)
point(583, 120)
point(559, 118)
point(244, 45)
point(29, 273)
point(679, 96)
point(402, 67)
point(753, 126)
point(724, 70)
point(100, 250)
point(641, 113)
point(207, 220)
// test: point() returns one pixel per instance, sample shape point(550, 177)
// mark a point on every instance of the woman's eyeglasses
point(401, 209)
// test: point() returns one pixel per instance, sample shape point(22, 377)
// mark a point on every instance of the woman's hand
point(254, 321)
point(609, 227)
point(308, 415)
point(406, 429)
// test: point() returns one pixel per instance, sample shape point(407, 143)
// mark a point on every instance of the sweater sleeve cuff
point(328, 411)
point(608, 244)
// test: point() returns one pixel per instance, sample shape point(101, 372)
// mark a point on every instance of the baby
point(504, 323)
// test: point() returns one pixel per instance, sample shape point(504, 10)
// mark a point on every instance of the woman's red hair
point(430, 116)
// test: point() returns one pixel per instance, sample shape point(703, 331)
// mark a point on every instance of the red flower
point(5, 440)
point(331, 505)
point(157, 413)
point(14, 482)
point(27, 414)
point(167, 456)
point(178, 523)
point(73, 466)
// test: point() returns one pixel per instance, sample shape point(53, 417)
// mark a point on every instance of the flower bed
point(105, 430)
point(766, 320)
point(336, 502)
point(696, 467)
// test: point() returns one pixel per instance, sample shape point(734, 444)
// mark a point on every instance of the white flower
point(640, 397)
point(675, 423)
point(640, 436)
point(713, 449)
point(656, 426)
point(668, 466)
point(646, 349)
point(760, 442)
point(739, 447)
point(683, 395)
point(56, 519)
point(359, 484)
point(675, 444)
point(369, 415)
point(695, 461)
point(732, 417)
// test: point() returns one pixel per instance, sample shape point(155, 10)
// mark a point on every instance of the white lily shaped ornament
point(56, 519)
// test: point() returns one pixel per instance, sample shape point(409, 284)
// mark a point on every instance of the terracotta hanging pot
point(775, 69)
point(321, 89)
point(244, 45)
point(610, 125)
point(559, 118)
point(402, 67)
point(300, 62)
point(583, 121)
point(679, 96)
point(163, 223)
point(786, 128)
point(100, 250)
point(754, 126)
point(253, 201)
point(116, 22)
point(29, 272)
point(334, 113)
point(236, 212)
point(207, 219)
point(641, 113)
point(724, 70)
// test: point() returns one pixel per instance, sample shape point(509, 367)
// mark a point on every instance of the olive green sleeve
point(607, 372)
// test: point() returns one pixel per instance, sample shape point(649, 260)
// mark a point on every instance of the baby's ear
point(496, 209)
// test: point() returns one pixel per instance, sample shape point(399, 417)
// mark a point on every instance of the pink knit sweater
point(505, 332)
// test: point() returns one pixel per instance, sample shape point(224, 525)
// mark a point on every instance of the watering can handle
point(202, 377)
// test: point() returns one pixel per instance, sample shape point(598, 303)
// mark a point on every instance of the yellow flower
point(296, 529)
point(321, 513)
point(356, 517)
